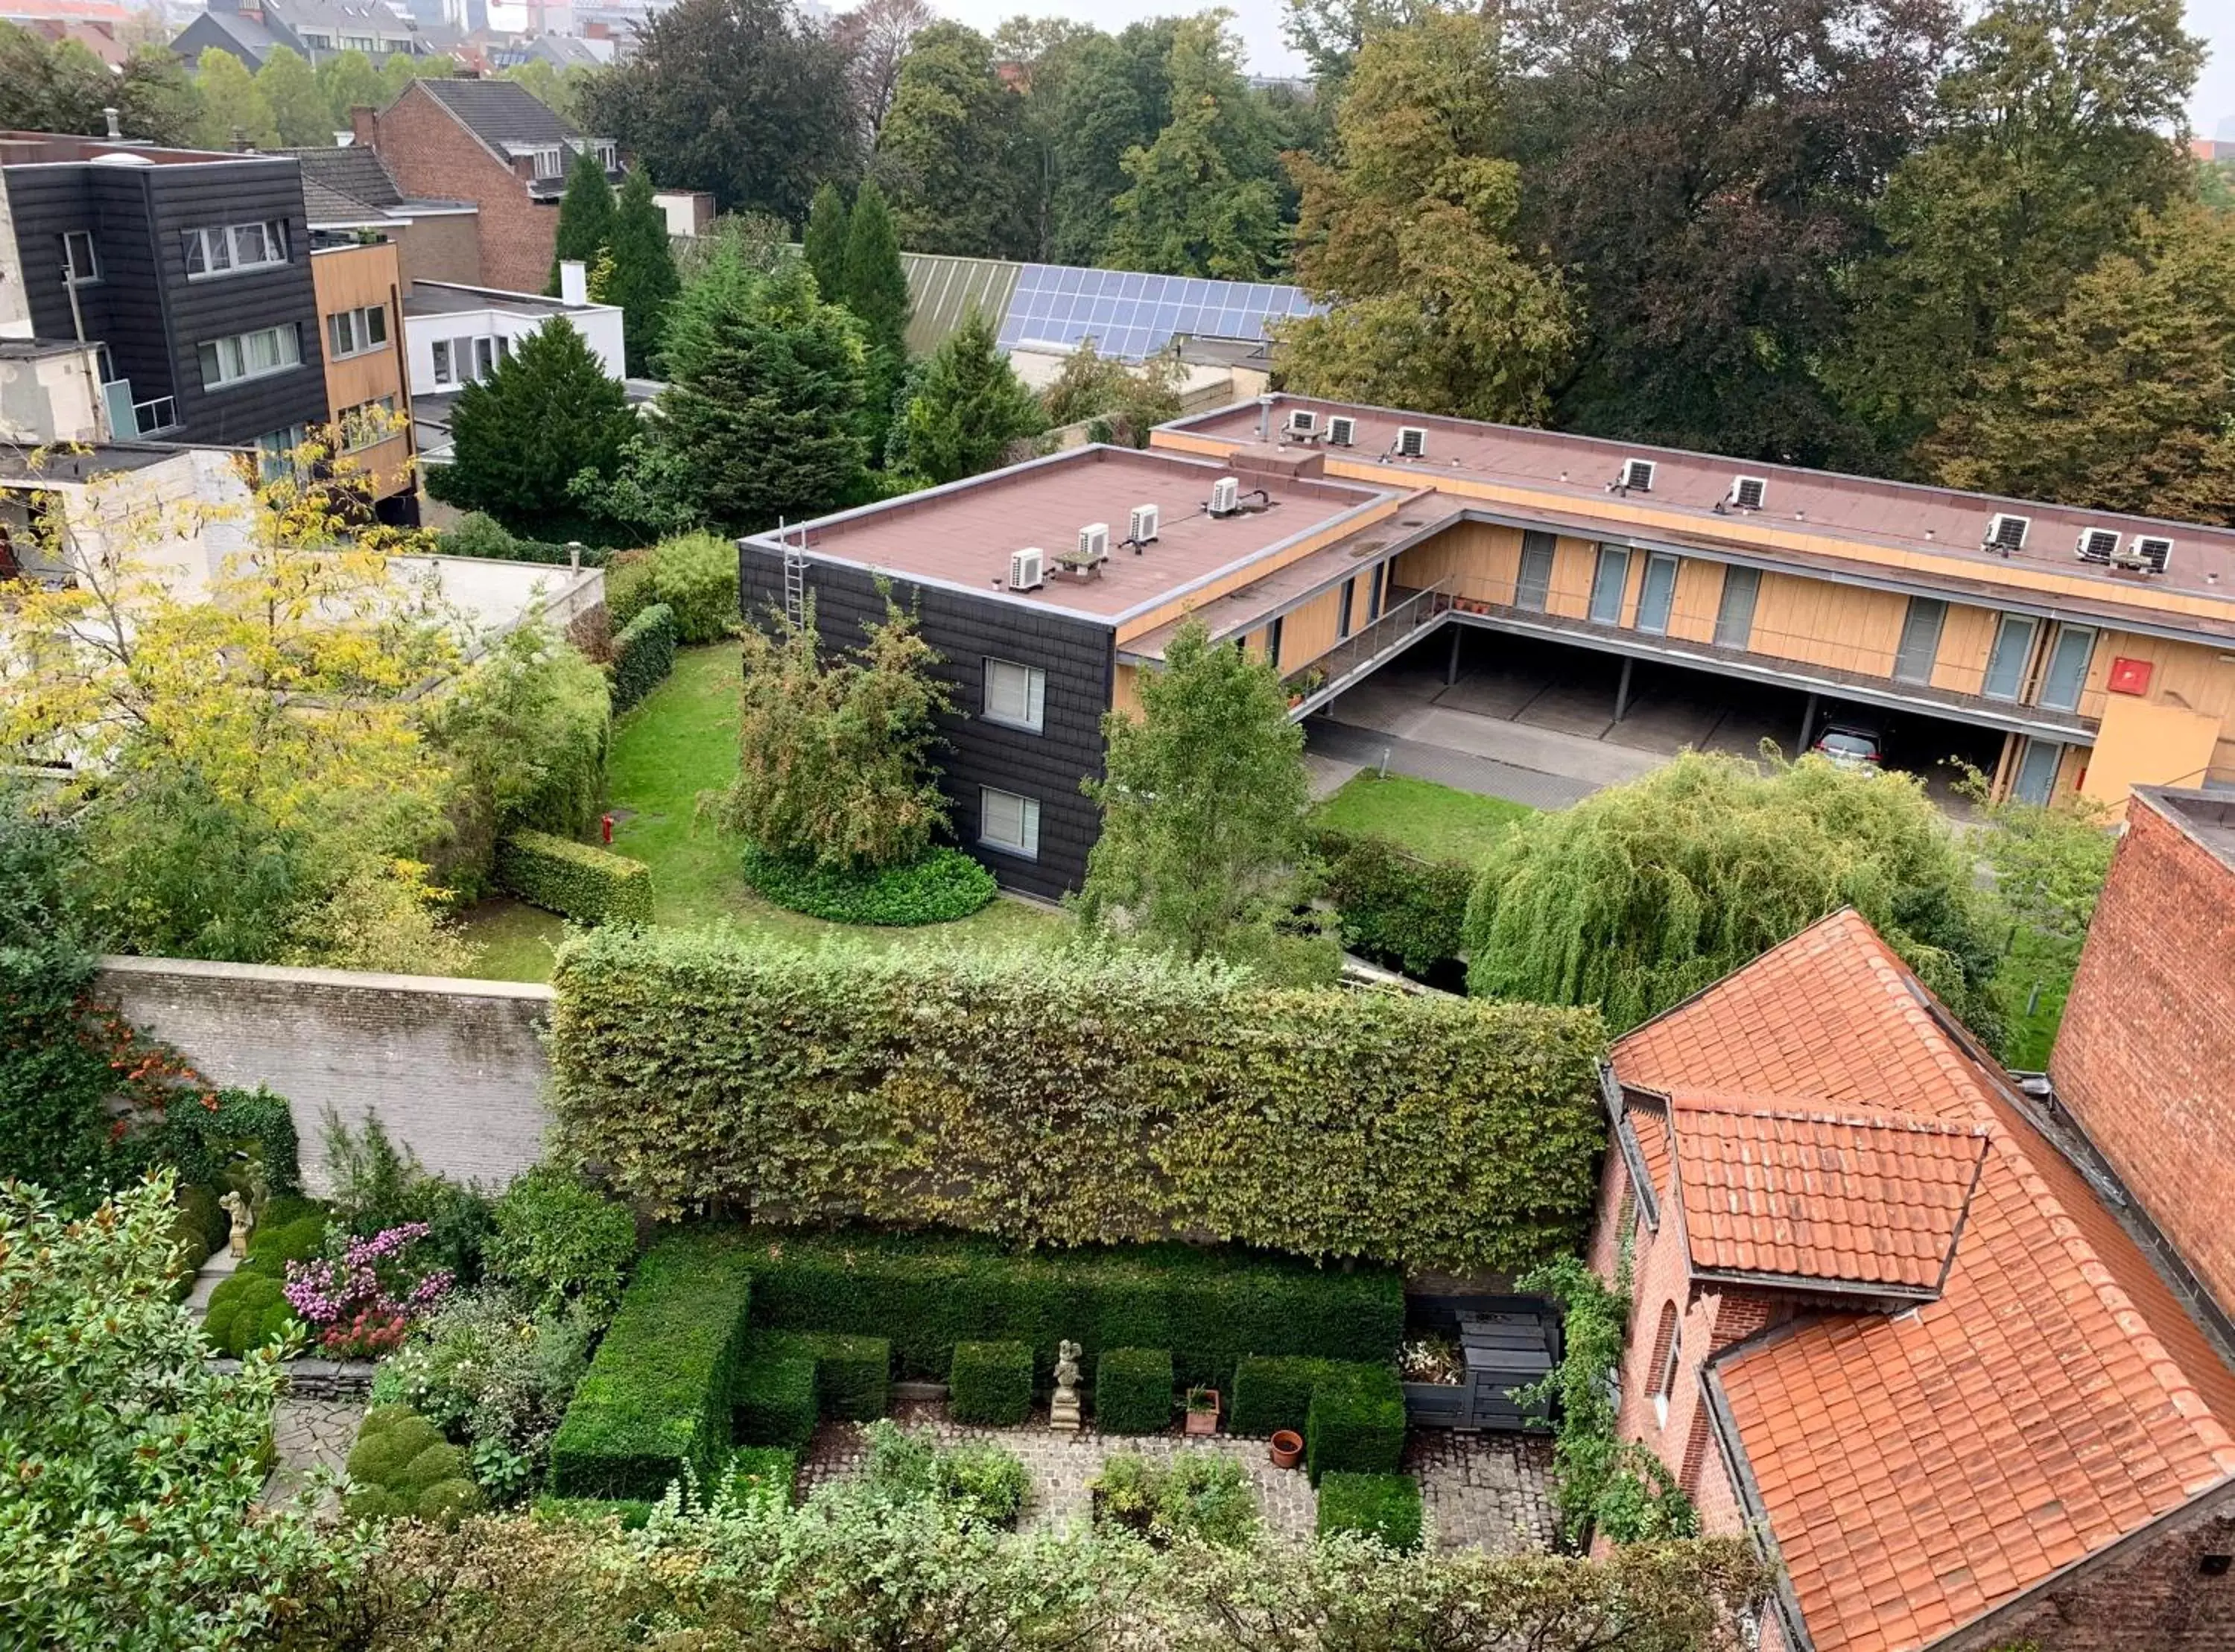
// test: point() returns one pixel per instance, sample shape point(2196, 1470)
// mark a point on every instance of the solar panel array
point(1135, 315)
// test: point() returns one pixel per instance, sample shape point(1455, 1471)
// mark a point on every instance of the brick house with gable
point(1895, 1322)
point(492, 144)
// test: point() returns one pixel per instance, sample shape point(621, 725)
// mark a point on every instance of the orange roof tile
point(1772, 1186)
point(1919, 1469)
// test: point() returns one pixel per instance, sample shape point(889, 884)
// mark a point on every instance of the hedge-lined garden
point(643, 654)
point(576, 880)
point(1083, 1097)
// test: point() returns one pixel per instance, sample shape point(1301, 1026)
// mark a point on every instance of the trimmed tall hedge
point(772, 1396)
point(1273, 1393)
point(643, 654)
point(1386, 1507)
point(1210, 1308)
point(1391, 902)
point(577, 880)
point(1356, 1422)
point(1133, 1390)
point(1075, 1098)
point(658, 1394)
point(853, 1375)
point(990, 1382)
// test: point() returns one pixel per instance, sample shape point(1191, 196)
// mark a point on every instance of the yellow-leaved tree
point(225, 693)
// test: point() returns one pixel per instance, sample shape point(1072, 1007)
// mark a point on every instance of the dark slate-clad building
point(190, 269)
point(1028, 584)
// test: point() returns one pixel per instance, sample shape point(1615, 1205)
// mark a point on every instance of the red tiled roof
point(1773, 1185)
point(1920, 1469)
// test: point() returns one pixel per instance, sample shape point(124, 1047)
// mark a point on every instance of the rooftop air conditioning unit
point(2006, 533)
point(1411, 441)
point(1302, 421)
point(1225, 496)
point(1094, 542)
point(1637, 474)
point(1342, 430)
point(2098, 545)
point(2145, 554)
point(1142, 528)
point(1027, 569)
point(1746, 492)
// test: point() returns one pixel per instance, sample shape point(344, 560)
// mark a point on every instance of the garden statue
point(1062, 1413)
point(244, 1223)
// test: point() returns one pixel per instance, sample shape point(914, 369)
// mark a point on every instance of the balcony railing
point(1312, 685)
point(129, 420)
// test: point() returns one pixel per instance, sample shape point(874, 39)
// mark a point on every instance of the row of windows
point(353, 332)
point(250, 356)
point(369, 423)
point(234, 248)
point(1015, 696)
point(463, 361)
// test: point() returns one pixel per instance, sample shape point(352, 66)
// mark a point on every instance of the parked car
point(1850, 744)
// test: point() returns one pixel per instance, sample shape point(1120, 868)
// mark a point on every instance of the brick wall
point(2145, 1059)
point(2150, 1594)
point(444, 246)
point(433, 157)
point(456, 1069)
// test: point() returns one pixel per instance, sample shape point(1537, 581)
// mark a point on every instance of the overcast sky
point(1260, 22)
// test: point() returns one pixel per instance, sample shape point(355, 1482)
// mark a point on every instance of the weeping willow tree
point(1643, 894)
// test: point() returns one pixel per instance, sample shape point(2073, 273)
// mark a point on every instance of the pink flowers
point(362, 1305)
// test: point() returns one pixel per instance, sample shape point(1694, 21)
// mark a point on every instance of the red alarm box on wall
point(2129, 676)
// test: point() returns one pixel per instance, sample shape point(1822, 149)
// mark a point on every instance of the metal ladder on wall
point(795, 575)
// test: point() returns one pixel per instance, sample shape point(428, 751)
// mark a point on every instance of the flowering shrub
point(360, 1305)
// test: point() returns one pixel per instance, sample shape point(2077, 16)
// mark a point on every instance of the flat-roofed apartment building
point(2079, 650)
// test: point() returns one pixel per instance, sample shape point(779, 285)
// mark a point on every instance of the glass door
point(2006, 666)
point(1658, 595)
point(1534, 588)
point(2036, 777)
point(2067, 667)
point(1609, 584)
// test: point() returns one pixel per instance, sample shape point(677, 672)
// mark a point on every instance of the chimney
point(115, 126)
point(573, 281)
point(240, 143)
point(361, 128)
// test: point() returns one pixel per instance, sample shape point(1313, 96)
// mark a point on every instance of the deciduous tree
point(741, 97)
point(350, 81)
point(643, 281)
point(233, 106)
point(1203, 806)
point(1113, 98)
point(967, 408)
point(301, 111)
point(51, 88)
point(952, 154)
point(155, 97)
point(549, 413)
point(875, 36)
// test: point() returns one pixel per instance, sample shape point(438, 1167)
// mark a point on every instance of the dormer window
point(551, 162)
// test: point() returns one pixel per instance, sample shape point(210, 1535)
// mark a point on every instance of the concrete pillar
point(1621, 690)
point(1452, 664)
point(1807, 725)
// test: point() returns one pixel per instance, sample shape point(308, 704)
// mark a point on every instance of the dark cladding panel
point(1077, 657)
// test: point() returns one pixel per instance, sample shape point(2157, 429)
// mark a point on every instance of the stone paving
point(1491, 1491)
point(307, 1434)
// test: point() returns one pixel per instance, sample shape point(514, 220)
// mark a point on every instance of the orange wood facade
point(355, 279)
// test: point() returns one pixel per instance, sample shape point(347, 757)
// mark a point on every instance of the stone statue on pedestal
point(1062, 1413)
point(244, 1223)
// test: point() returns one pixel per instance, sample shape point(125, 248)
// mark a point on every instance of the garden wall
point(455, 1068)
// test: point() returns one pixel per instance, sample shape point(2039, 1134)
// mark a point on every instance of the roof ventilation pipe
point(111, 114)
point(1264, 418)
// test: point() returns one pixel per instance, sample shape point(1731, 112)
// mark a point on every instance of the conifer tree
point(585, 216)
point(876, 286)
point(825, 242)
point(967, 405)
point(642, 281)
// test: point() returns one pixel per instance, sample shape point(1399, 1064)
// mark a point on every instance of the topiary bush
point(853, 1375)
point(1273, 1393)
point(656, 1396)
point(577, 880)
point(200, 1228)
point(941, 885)
point(1444, 1132)
point(991, 1383)
point(928, 1293)
point(560, 1242)
point(1386, 1506)
point(772, 1395)
point(247, 1311)
point(644, 655)
point(1355, 1423)
point(1133, 1390)
point(402, 1467)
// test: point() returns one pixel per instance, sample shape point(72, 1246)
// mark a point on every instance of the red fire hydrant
point(606, 827)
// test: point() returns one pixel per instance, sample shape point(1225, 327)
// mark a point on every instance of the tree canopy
point(952, 152)
point(301, 111)
point(642, 280)
point(233, 106)
point(966, 408)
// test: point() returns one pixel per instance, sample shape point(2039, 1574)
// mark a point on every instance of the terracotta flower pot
point(1202, 1419)
point(1288, 1448)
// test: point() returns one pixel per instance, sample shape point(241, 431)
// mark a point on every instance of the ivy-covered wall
point(1071, 1098)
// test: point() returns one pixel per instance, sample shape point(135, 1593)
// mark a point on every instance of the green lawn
point(677, 746)
point(1436, 822)
point(2027, 965)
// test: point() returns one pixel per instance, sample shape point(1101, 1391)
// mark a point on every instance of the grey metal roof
point(500, 112)
point(251, 43)
point(942, 289)
point(351, 170)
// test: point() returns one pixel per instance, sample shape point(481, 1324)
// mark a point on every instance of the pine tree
point(968, 406)
point(548, 413)
point(299, 109)
point(643, 281)
point(874, 286)
point(825, 242)
point(233, 106)
point(761, 417)
point(585, 216)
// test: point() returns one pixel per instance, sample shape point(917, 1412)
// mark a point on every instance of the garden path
point(308, 1434)
point(1487, 1491)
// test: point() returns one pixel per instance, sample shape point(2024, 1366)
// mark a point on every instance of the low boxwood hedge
point(1386, 1507)
point(1133, 1390)
point(402, 1467)
point(1210, 1307)
point(772, 1395)
point(1275, 1392)
point(577, 880)
point(853, 1375)
point(643, 654)
point(658, 1394)
point(245, 1312)
point(942, 886)
point(1356, 1422)
point(991, 1383)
